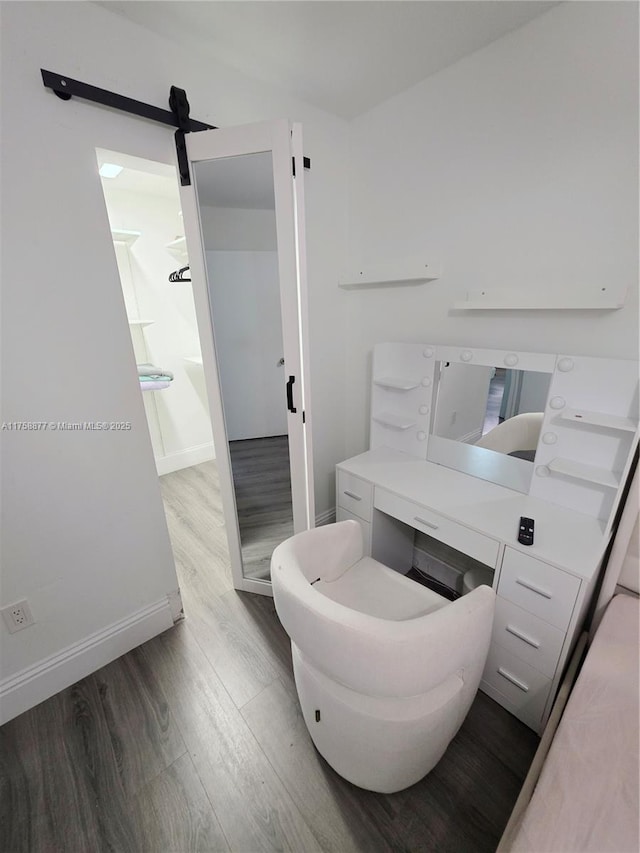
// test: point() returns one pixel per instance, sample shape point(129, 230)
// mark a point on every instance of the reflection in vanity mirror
point(487, 420)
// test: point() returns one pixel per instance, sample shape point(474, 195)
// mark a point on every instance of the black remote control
point(525, 531)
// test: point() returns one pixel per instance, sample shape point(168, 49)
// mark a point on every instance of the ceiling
point(343, 56)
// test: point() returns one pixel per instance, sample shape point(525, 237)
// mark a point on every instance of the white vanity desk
point(543, 590)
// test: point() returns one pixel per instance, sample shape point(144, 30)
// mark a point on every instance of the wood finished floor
point(194, 742)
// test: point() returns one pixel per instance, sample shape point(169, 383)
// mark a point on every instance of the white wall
point(84, 535)
point(534, 391)
point(178, 417)
point(516, 167)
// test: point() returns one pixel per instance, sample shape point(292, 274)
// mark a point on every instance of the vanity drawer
point(354, 494)
point(344, 514)
point(541, 589)
point(524, 688)
point(525, 635)
point(456, 535)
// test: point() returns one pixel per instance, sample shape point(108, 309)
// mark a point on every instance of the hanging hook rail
point(179, 275)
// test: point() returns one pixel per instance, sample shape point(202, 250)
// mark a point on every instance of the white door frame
point(276, 137)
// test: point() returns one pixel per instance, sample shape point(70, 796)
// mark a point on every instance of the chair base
point(381, 744)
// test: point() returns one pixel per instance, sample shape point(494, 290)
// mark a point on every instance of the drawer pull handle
point(523, 637)
point(534, 588)
point(426, 523)
point(503, 672)
point(353, 495)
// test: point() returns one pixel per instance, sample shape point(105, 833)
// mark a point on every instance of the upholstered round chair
point(519, 433)
point(385, 669)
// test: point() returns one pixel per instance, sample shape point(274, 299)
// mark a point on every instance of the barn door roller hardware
point(178, 116)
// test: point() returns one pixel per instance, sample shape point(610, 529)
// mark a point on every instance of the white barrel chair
point(521, 432)
point(385, 669)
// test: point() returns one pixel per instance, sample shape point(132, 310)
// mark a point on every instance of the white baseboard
point(185, 458)
point(326, 517)
point(36, 683)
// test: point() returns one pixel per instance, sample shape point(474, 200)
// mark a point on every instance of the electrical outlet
point(17, 616)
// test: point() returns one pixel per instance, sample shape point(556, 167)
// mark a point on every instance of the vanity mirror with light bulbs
point(463, 442)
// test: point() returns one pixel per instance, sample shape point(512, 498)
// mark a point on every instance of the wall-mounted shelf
point(178, 248)
point(389, 274)
point(397, 383)
point(393, 421)
point(141, 323)
point(540, 299)
point(121, 235)
point(580, 471)
point(599, 419)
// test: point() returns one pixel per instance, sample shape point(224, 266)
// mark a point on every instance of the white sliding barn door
point(243, 218)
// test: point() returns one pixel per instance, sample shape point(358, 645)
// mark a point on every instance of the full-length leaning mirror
point(237, 213)
point(487, 415)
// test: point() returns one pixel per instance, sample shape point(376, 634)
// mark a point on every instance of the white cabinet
point(542, 592)
point(583, 456)
point(537, 610)
point(538, 588)
point(354, 500)
point(589, 431)
point(423, 518)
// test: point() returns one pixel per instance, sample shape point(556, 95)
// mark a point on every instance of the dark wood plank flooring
point(195, 742)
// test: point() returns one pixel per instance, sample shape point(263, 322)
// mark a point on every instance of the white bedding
point(586, 799)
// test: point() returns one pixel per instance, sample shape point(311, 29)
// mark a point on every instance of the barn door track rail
point(178, 116)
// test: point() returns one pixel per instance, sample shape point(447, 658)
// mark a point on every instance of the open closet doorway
point(143, 205)
point(227, 506)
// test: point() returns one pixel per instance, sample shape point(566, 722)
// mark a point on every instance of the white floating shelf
point(536, 299)
point(178, 248)
point(398, 383)
point(389, 274)
point(599, 419)
point(120, 235)
point(389, 419)
point(589, 473)
point(141, 322)
point(194, 359)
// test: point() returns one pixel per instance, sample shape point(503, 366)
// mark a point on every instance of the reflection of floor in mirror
point(494, 401)
point(263, 497)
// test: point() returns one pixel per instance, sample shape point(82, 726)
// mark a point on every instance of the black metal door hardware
point(290, 405)
point(178, 116)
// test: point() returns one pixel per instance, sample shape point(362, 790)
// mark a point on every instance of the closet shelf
point(599, 419)
point(398, 383)
point(193, 359)
point(141, 323)
point(178, 248)
point(393, 421)
point(120, 235)
point(580, 471)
